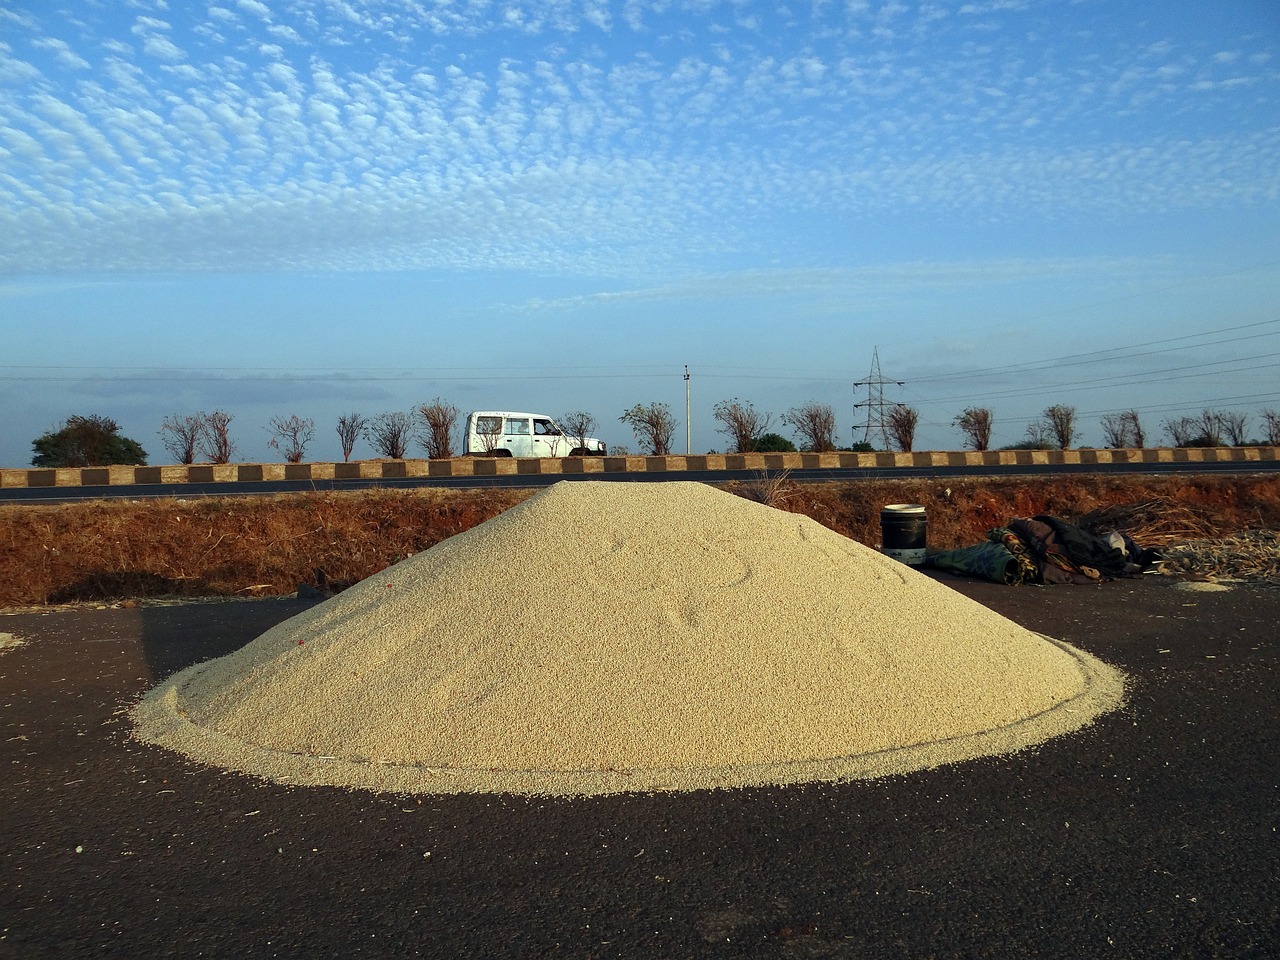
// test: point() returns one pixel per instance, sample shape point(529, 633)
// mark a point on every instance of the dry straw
point(614, 637)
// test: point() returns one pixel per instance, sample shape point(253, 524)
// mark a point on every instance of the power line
point(1074, 359)
point(1098, 383)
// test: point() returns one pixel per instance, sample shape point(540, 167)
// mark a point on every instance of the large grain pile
point(605, 637)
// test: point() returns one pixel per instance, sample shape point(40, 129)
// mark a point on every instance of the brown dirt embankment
point(110, 550)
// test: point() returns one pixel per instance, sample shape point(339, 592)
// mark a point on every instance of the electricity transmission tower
point(874, 428)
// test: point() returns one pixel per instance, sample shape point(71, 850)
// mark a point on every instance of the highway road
point(33, 495)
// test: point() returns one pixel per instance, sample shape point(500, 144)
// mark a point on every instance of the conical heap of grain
point(603, 637)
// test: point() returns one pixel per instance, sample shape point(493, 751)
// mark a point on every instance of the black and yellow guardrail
point(506, 466)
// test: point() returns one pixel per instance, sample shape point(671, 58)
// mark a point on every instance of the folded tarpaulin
point(991, 561)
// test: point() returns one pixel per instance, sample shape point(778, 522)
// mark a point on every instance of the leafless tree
point(182, 436)
point(1235, 425)
point(1040, 434)
point(1062, 422)
point(1210, 424)
point(351, 426)
point(489, 430)
point(1115, 431)
point(578, 427)
point(439, 420)
point(389, 434)
point(975, 424)
point(1271, 424)
point(1133, 426)
point(653, 426)
point(215, 439)
point(1181, 431)
point(814, 424)
point(291, 436)
point(901, 426)
point(742, 423)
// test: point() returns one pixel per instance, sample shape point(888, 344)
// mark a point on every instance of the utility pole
point(688, 416)
point(875, 423)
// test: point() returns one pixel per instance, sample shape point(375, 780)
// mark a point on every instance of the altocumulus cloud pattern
point(596, 137)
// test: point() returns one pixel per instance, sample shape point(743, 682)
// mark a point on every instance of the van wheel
point(502, 453)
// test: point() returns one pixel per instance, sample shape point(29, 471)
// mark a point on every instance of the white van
point(500, 433)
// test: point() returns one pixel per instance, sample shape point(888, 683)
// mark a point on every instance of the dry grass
point(250, 546)
point(1252, 556)
point(771, 489)
point(1153, 523)
point(261, 546)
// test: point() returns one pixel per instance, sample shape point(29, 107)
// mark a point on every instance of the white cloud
point(14, 70)
point(596, 12)
point(258, 9)
point(26, 21)
point(154, 41)
point(65, 56)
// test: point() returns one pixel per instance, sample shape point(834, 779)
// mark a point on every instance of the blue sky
point(313, 207)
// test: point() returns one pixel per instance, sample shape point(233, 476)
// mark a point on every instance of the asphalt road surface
point(1152, 833)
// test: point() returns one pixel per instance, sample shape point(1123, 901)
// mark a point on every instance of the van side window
point(488, 425)
point(517, 428)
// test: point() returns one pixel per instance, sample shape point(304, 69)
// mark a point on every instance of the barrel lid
point(903, 508)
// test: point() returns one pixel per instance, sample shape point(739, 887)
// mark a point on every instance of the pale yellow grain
point(605, 637)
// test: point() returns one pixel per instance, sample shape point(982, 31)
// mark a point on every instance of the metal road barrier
point(505, 466)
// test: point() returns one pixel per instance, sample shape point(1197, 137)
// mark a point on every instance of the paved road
point(1151, 834)
point(263, 487)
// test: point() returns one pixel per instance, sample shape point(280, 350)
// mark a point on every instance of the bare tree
point(1181, 431)
point(439, 420)
point(1115, 431)
point(653, 426)
point(215, 439)
point(291, 436)
point(578, 427)
point(1271, 424)
point(389, 434)
point(742, 423)
point(489, 430)
point(975, 424)
point(901, 426)
point(1062, 421)
point(182, 436)
point(351, 426)
point(1040, 434)
point(1236, 427)
point(814, 424)
point(1133, 425)
point(1210, 424)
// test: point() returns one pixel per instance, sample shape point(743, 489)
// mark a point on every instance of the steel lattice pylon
point(874, 427)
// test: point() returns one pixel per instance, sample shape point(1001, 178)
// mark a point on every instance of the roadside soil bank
point(115, 550)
